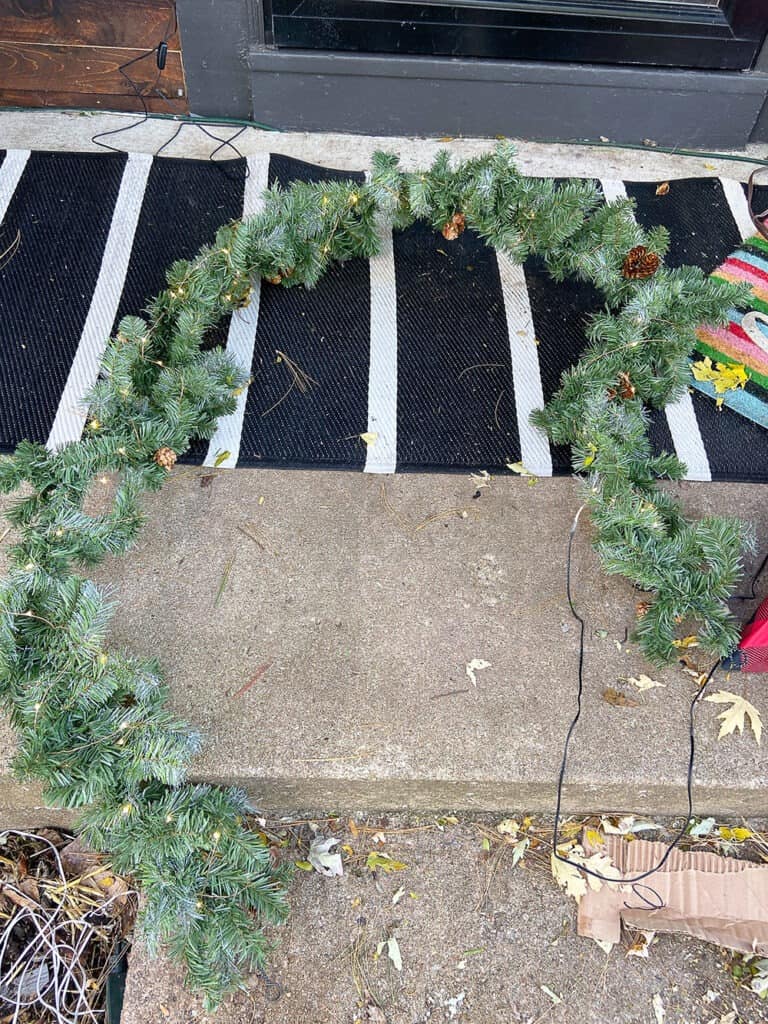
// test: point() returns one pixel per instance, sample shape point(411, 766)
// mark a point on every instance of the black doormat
point(428, 357)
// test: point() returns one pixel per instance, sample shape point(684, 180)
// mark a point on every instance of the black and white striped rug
point(439, 349)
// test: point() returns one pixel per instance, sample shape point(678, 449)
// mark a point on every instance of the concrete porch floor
point(368, 596)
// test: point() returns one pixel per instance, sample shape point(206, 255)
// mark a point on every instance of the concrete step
point(367, 597)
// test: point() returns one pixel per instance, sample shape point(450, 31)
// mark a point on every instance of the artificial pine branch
point(93, 724)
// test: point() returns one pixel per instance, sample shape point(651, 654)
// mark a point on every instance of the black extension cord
point(574, 721)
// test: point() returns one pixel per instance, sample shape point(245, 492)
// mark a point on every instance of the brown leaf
point(663, 188)
point(618, 699)
point(19, 898)
point(77, 859)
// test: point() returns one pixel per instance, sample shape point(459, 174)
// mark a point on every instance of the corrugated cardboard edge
point(718, 899)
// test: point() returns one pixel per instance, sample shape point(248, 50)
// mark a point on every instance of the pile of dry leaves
point(63, 919)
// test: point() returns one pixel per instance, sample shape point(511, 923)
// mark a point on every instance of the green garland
point(92, 723)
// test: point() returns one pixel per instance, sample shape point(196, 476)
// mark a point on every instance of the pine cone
point(626, 388)
point(454, 227)
point(640, 263)
point(165, 457)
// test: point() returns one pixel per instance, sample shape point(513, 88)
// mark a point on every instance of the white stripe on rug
point(526, 373)
point(10, 176)
point(381, 455)
point(71, 413)
point(224, 446)
point(681, 417)
point(737, 200)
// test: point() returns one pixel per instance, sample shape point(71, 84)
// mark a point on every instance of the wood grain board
point(68, 53)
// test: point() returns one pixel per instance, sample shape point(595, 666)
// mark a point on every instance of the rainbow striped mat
point(745, 339)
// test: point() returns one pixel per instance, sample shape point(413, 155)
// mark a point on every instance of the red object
point(752, 653)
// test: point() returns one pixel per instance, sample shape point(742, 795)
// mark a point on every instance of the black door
point(715, 34)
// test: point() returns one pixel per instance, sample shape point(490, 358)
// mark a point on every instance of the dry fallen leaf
point(568, 876)
point(508, 827)
point(737, 834)
point(556, 999)
point(322, 860)
point(642, 944)
point(723, 376)
point(627, 825)
point(662, 189)
point(481, 479)
point(604, 945)
point(686, 642)
point(382, 862)
point(476, 665)
point(393, 952)
point(519, 468)
point(618, 700)
point(658, 1009)
point(644, 682)
point(733, 717)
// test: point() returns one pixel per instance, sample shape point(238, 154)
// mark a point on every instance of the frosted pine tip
point(123, 725)
point(126, 809)
point(59, 532)
point(216, 836)
point(94, 425)
point(122, 451)
point(103, 479)
point(38, 706)
point(168, 818)
point(29, 567)
point(103, 659)
point(354, 198)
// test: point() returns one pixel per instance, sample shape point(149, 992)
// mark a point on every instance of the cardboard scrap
point(718, 899)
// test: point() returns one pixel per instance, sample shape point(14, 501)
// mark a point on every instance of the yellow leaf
point(593, 837)
point(221, 457)
point(709, 167)
point(381, 862)
point(686, 642)
point(370, 438)
point(733, 717)
point(486, 844)
point(304, 865)
point(740, 834)
point(723, 376)
point(725, 832)
point(519, 468)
